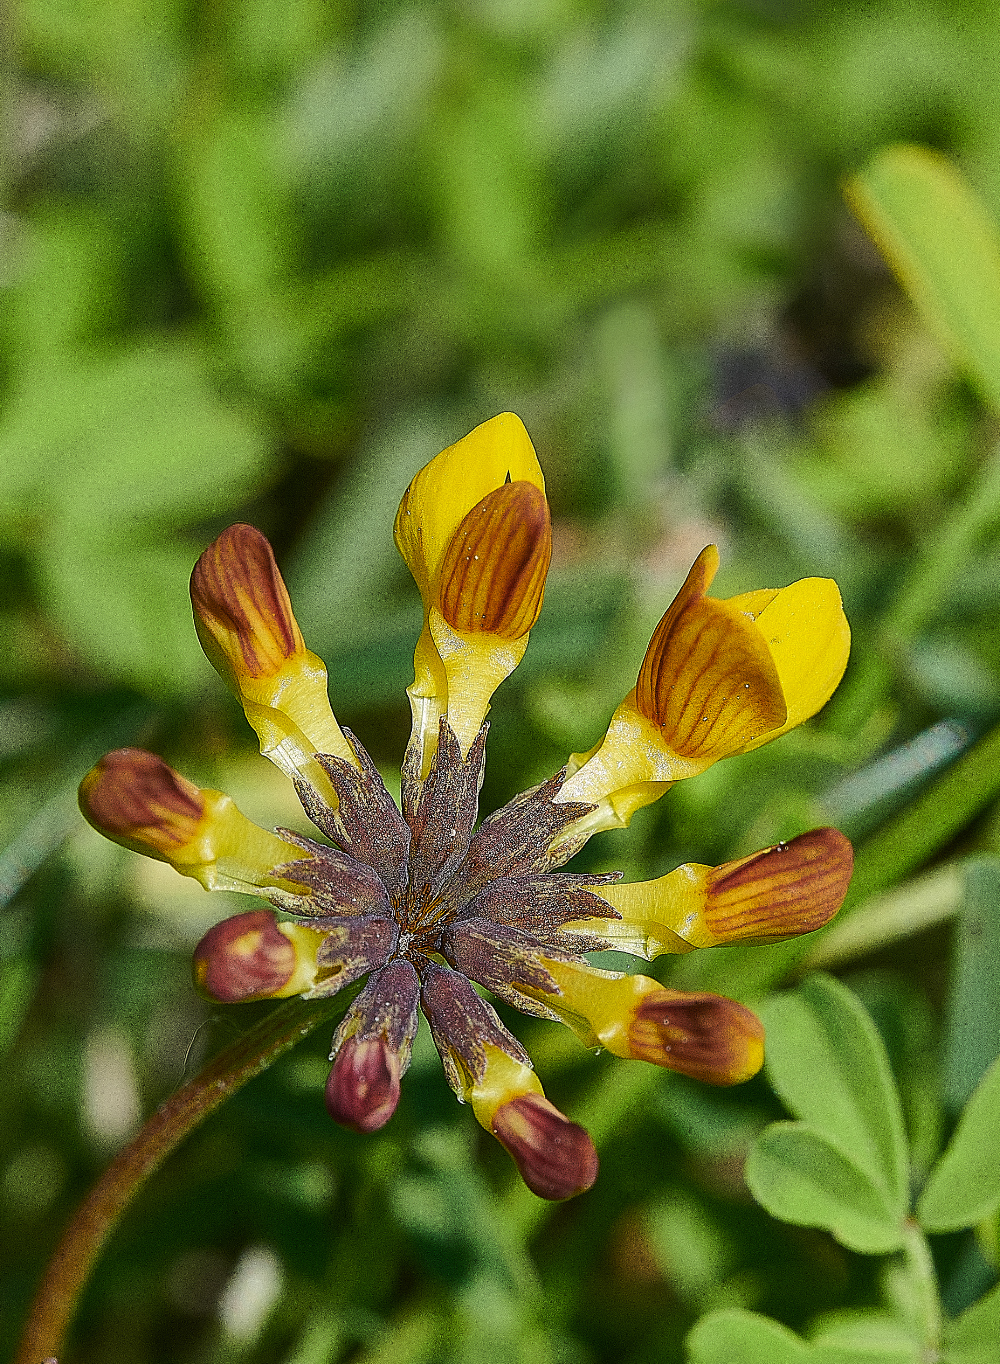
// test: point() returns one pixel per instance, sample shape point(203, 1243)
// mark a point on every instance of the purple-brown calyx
point(426, 906)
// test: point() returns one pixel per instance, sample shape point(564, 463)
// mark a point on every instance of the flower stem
point(923, 1289)
point(95, 1219)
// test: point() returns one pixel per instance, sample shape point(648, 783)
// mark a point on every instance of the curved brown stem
point(95, 1219)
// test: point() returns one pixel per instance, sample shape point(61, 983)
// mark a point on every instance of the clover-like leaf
point(732, 1334)
point(801, 1176)
point(964, 1186)
point(827, 1063)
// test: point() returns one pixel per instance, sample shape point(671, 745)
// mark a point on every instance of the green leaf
point(828, 1065)
point(733, 1336)
point(729, 1335)
point(972, 1026)
point(861, 1336)
point(972, 1338)
point(801, 1176)
point(940, 241)
point(964, 1187)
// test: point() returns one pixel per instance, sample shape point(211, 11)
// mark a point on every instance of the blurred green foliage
point(261, 262)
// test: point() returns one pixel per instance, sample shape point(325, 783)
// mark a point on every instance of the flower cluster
point(427, 905)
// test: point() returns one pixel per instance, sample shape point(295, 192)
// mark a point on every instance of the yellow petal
point(447, 488)
point(657, 917)
point(246, 626)
point(719, 678)
point(503, 1078)
point(135, 799)
point(808, 636)
point(475, 664)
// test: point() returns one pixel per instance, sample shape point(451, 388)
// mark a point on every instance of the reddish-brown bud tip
point(243, 958)
point(786, 890)
point(363, 1089)
point(241, 604)
point(493, 574)
point(555, 1157)
point(134, 797)
point(708, 1037)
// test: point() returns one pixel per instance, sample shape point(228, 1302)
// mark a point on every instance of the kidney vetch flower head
point(427, 905)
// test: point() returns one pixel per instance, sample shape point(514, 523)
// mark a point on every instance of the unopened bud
point(134, 798)
point(251, 956)
point(708, 1037)
point(786, 890)
point(244, 620)
point(493, 574)
point(241, 606)
point(363, 1089)
point(555, 1157)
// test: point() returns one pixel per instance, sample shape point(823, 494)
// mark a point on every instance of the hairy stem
point(95, 1219)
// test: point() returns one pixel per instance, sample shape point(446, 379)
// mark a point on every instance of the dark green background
point(261, 261)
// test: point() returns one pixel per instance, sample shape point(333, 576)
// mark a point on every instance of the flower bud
point(779, 893)
point(135, 799)
point(555, 1157)
point(473, 528)
point(708, 1037)
point(242, 611)
point(363, 1088)
point(372, 1047)
point(251, 956)
point(244, 620)
point(782, 892)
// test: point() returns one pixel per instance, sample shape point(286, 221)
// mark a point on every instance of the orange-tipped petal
point(779, 893)
point(363, 1088)
point(787, 890)
point(251, 956)
point(708, 1037)
point(444, 491)
point(246, 626)
point(555, 1157)
point(135, 799)
point(493, 573)
point(719, 678)
point(809, 639)
point(243, 614)
point(708, 679)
